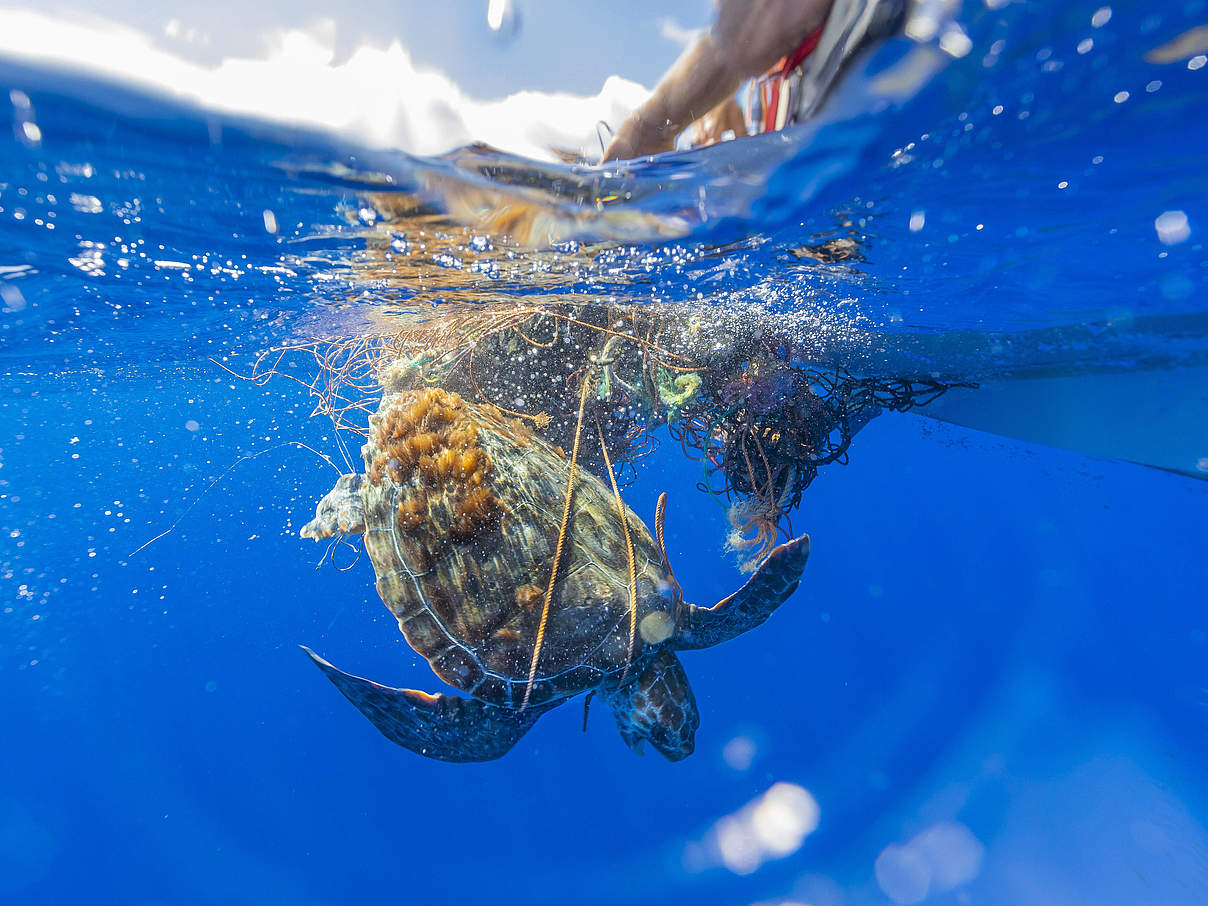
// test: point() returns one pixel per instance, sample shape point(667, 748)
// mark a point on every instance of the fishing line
point(225, 473)
point(329, 554)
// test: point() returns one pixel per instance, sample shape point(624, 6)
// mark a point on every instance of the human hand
point(713, 126)
point(635, 138)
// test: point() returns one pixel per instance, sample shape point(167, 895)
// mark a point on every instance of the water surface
point(991, 683)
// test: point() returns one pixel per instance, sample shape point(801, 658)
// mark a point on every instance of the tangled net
point(762, 433)
point(747, 404)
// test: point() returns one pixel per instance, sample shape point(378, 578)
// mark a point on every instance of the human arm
point(747, 38)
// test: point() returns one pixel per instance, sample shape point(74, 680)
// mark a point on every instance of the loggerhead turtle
point(464, 514)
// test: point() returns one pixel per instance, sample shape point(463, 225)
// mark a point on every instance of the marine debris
point(745, 398)
point(498, 433)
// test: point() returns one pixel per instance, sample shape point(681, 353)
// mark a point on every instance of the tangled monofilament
point(759, 418)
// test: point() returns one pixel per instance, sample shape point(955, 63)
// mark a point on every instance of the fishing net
point(746, 402)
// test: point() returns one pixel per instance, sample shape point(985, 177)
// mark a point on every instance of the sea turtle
point(464, 513)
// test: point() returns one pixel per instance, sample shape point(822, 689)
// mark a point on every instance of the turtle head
point(340, 512)
point(658, 706)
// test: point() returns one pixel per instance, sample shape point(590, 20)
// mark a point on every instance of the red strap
point(804, 49)
point(773, 104)
point(771, 83)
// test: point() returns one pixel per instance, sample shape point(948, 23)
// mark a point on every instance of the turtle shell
point(462, 514)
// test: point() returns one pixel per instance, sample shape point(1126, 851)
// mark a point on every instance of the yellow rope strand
point(553, 575)
point(660, 514)
point(633, 576)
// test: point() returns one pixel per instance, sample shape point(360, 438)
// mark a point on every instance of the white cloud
point(378, 94)
point(178, 31)
point(678, 34)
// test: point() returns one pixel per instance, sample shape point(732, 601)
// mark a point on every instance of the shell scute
point(457, 668)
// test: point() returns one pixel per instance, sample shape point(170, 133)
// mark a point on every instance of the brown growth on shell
point(447, 461)
point(422, 444)
point(412, 512)
point(463, 435)
point(476, 509)
point(466, 462)
point(528, 596)
point(430, 436)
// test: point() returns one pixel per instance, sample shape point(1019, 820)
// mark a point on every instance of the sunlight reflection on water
point(771, 826)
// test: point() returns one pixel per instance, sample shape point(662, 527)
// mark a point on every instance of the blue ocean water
point(992, 685)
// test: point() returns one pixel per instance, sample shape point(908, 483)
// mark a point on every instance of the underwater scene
point(569, 497)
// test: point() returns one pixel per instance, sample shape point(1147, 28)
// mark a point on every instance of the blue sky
point(390, 74)
point(558, 46)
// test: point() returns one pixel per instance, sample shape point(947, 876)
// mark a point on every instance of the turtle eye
point(656, 627)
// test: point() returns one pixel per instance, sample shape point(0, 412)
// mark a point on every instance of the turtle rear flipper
point(340, 512)
point(776, 579)
point(437, 726)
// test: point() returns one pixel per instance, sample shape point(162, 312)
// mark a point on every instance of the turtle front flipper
point(659, 706)
point(776, 579)
point(340, 512)
point(444, 727)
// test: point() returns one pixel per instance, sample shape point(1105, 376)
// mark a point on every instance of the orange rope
point(624, 336)
point(633, 576)
point(537, 343)
point(536, 419)
point(553, 575)
point(660, 516)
